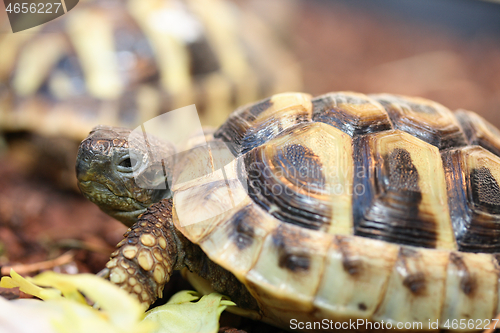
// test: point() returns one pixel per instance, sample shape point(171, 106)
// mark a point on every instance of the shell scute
point(352, 113)
point(354, 264)
point(473, 177)
point(289, 267)
point(304, 177)
point(425, 119)
point(403, 197)
point(479, 131)
point(415, 291)
point(202, 203)
point(237, 242)
point(253, 125)
point(470, 280)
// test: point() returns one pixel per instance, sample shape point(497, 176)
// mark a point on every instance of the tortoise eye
point(127, 164)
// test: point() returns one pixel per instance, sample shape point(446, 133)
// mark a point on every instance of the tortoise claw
point(104, 273)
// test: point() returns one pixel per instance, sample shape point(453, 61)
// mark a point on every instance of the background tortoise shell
point(346, 206)
point(123, 62)
point(120, 63)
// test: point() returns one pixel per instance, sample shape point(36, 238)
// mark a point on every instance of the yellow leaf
point(28, 287)
point(184, 297)
point(122, 309)
point(120, 312)
point(59, 281)
point(180, 315)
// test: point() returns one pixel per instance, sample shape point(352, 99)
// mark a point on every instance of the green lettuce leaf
point(180, 314)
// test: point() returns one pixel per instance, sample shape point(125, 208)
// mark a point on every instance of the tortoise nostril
point(79, 167)
point(81, 170)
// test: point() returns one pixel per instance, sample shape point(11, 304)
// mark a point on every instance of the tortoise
point(123, 62)
point(329, 210)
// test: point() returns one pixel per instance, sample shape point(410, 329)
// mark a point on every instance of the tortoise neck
point(221, 280)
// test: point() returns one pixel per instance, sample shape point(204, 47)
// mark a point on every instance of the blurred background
point(124, 62)
point(445, 50)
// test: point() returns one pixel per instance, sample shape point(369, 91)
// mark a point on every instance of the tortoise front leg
point(153, 248)
point(146, 257)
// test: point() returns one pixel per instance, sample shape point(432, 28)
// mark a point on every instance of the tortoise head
point(122, 171)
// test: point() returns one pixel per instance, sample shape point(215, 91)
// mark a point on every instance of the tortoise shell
point(350, 206)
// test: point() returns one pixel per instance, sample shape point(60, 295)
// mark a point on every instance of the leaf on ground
point(120, 312)
point(180, 314)
point(123, 310)
point(24, 284)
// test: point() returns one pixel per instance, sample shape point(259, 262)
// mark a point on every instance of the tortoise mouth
point(108, 200)
point(128, 218)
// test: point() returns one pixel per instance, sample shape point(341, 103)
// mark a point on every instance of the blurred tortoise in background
point(122, 62)
point(338, 207)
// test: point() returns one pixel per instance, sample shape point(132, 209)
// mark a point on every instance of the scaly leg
point(146, 257)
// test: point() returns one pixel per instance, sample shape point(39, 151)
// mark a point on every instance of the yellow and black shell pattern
point(124, 62)
point(381, 207)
